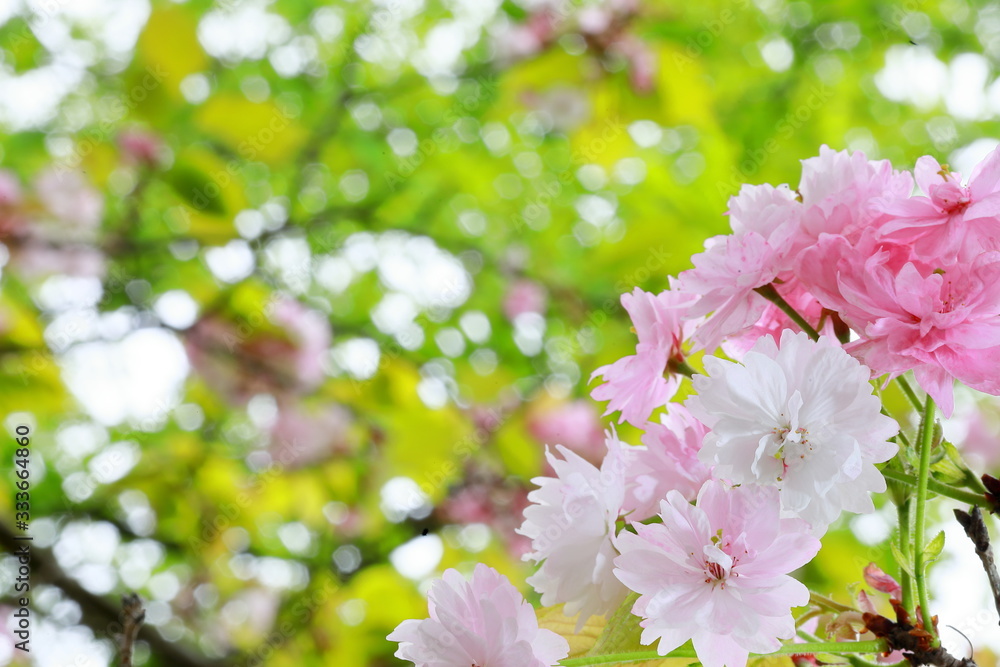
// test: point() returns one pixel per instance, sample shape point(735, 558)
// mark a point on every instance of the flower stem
point(680, 366)
point(771, 294)
point(920, 530)
point(906, 581)
point(937, 487)
point(904, 384)
point(877, 646)
point(827, 603)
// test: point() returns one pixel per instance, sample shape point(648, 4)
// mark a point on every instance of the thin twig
point(975, 528)
point(132, 617)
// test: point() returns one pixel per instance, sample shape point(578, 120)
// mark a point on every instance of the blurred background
point(294, 293)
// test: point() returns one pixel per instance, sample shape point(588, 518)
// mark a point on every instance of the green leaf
point(902, 560)
point(933, 549)
point(22, 49)
point(622, 632)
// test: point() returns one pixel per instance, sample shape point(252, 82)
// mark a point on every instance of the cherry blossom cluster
point(816, 292)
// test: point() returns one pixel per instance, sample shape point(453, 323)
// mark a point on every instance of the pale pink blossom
point(667, 460)
point(10, 189)
point(637, 384)
point(141, 147)
point(70, 198)
point(302, 436)
point(309, 331)
point(839, 189)
point(725, 277)
point(801, 418)
point(239, 359)
point(773, 212)
point(953, 221)
point(524, 296)
point(773, 321)
point(576, 425)
point(483, 622)
point(571, 524)
point(716, 573)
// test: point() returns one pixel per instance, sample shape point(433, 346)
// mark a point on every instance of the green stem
point(681, 367)
point(937, 487)
point(906, 581)
point(877, 646)
point(827, 603)
point(920, 530)
point(904, 384)
point(771, 294)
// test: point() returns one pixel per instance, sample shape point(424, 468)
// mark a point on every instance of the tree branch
point(101, 615)
point(132, 617)
point(975, 528)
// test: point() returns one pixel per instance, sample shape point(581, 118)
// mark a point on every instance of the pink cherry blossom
point(300, 436)
point(483, 622)
point(667, 459)
point(725, 276)
point(637, 384)
point(954, 221)
point(141, 147)
point(717, 573)
point(571, 524)
point(239, 360)
point(940, 322)
point(773, 321)
point(70, 198)
point(524, 296)
point(802, 418)
point(309, 331)
point(773, 212)
point(839, 189)
point(576, 425)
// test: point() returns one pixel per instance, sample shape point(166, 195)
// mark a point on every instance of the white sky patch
point(417, 558)
point(914, 75)
point(244, 33)
point(176, 309)
point(109, 29)
point(401, 497)
point(777, 53)
point(232, 262)
point(966, 158)
point(138, 379)
point(960, 595)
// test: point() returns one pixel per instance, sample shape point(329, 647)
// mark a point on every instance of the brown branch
point(132, 617)
point(975, 528)
point(101, 615)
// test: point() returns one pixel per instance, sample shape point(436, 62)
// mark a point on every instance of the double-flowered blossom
point(667, 460)
point(484, 622)
point(953, 221)
point(800, 417)
point(638, 384)
point(571, 525)
point(717, 573)
point(941, 323)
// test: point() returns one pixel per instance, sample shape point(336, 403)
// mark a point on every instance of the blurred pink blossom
point(524, 296)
